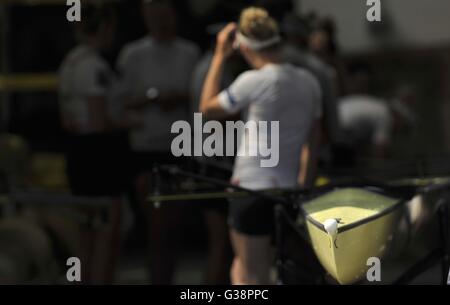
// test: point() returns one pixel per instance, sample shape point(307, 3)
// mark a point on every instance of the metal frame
point(439, 255)
point(282, 218)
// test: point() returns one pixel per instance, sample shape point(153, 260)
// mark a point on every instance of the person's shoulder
point(84, 59)
point(253, 75)
point(187, 46)
point(74, 56)
point(136, 47)
point(306, 75)
point(70, 55)
point(255, 80)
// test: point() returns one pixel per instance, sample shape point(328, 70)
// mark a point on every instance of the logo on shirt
point(259, 140)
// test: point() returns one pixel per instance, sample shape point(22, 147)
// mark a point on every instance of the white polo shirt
point(83, 74)
point(146, 64)
point(281, 93)
point(361, 113)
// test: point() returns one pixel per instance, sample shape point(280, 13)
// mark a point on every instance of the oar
point(176, 171)
point(210, 195)
point(278, 195)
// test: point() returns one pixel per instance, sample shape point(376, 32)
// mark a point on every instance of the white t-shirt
point(364, 114)
point(281, 93)
point(146, 64)
point(83, 74)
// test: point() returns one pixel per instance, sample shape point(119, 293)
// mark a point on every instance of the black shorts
point(97, 164)
point(252, 216)
point(219, 205)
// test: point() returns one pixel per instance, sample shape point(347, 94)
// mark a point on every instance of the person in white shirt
point(96, 151)
point(271, 91)
point(369, 122)
point(156, 73)
point(155, 82)
point(366, 119)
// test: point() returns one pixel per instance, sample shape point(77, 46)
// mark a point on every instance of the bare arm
point(209, 102)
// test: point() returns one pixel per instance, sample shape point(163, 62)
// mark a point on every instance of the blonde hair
point(257, 24)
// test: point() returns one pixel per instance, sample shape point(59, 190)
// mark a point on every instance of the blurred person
point(95, 151)
point(15, 156)
point(295, 51)
point(277, 8)
point(402, 105)
point(323, 42)
point(369, 122)
point(155, 78)
point(271, 91)
point(444, 115)
point(219, 256)
point(215, 215)
point(202, 68)
point(26, 253)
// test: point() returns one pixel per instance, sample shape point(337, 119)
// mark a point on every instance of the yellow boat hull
point(345, 255)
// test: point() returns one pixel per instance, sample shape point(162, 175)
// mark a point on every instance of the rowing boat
point(348, 226)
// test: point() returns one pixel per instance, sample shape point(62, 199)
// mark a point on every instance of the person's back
point(365, 119)
point(284, 104)
point(290, 96)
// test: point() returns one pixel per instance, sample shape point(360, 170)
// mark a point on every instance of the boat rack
point(288, 208)
point(439, 255)
point(298, 272)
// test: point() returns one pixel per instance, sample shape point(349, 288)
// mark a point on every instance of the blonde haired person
point(271, 91)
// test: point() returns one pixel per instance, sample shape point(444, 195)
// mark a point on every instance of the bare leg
point(105, 246)
point(162, 234)
point(253, 258)
point(219, 254)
